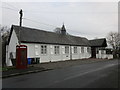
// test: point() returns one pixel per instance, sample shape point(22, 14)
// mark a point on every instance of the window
point(36, 50)
point(75, 49)
point(43, 49)
point(67, 49)
point(102, 51)
point(56, 48)
point(109, 51)
point(82, 49)
point(88, 50)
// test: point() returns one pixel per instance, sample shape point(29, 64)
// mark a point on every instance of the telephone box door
point(21, 57)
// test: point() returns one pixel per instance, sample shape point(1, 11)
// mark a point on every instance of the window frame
point(88, 50)
point(56, 50)
point(43, 49)
point(75, 50)
point(66, 49)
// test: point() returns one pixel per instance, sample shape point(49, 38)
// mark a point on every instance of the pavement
point(16, 72)
point(34, 68)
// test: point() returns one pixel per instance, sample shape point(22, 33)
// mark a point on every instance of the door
point(93, 50)
point(21, 57)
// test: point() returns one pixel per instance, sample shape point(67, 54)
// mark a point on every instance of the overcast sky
point(85, 19)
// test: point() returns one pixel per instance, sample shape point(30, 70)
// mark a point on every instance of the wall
point(11, 48)
point(34, 51)
point(102, 54)
point(109, 56)
point(50, 56)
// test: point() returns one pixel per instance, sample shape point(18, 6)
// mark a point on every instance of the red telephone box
point(21, 56)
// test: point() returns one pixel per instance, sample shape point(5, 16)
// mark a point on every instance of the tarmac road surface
point(94, 75)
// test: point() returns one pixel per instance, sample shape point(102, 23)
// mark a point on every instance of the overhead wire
point(35, 20)
point(31, 19)
point(12, 6)
point(9, 8)
point(39, 22)
point(46, 24)
point(16, 9)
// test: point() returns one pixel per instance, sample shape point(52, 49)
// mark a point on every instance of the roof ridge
point(33, 29)
point(42, 36)
point(98, 39)
point(47, 31)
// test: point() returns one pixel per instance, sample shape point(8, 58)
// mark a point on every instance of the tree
point(113, 39)
point(4, 32)
point(57, 30)
point(0, 50)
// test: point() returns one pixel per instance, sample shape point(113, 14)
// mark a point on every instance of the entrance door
point(93, 49)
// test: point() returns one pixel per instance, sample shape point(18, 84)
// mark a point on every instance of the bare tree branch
point(113, 39)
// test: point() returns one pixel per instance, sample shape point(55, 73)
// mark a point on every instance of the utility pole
point(21, 14)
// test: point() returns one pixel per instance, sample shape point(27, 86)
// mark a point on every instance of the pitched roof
point(30, 35)
point(98, 42)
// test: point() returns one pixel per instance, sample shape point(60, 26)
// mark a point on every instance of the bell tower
point(63, 30)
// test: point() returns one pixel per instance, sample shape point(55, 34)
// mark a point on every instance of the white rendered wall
point(104, 55)
point(11, 48)
point(110, 56)
point(97, 55)
point(51, 56)
point(34, 51)
point(75, 55)
point(64, 56)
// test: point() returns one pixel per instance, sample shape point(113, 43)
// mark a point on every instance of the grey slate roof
point(30, 35)
point(98, 42)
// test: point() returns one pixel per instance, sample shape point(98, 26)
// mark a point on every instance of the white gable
point(11, 48)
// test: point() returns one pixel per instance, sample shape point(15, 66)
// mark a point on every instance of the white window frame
point(66, 49)
point(36, 50)
point(43, 49)
point(88, 50)
point(56, 50)
point(75, 50)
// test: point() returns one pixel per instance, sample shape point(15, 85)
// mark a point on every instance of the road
point(94, 75)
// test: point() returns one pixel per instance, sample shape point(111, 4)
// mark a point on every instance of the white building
point(99, 50)
point(104, 53)
point(47, 46)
